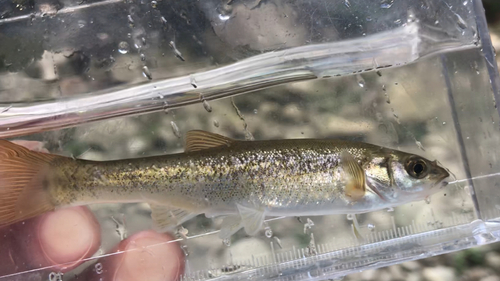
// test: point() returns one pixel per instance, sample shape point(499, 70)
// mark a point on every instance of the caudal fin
point(23, 183)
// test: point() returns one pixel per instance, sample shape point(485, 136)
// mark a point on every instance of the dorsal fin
point(199, 140)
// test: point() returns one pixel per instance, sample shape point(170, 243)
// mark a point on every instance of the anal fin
point(166, 218)
point(251, 219)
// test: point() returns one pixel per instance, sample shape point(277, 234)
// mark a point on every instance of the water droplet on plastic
point(121, 229)
point(268, 232)
point(98, 268)
point(347, 3)
point(461, 22)
point(207, 106)
point(371, 227)
point(361, 81)
point(175, 129)
point(390, 209)
point(427, 200)
point(444, 123)
point(165, 106)
point(255, 111)
point(193, 81)
point(419, 145)
point(163, 20)
point(178, 54)
point(223, 17)
point(249, 136)
point(466, 189)
point(143, 57)
point(476, 68)
point(386, 4)
point(182, 232)
point(130, 20)
point(369, 18)
point(81, 23)
point(216, 123)
point(227, 242)
point(278, 241)
point(154, 4)
point(123, 47)
point(379, 73)
point(146, 72)
point(383, 87)
point(185, 250)
point(387, 99)
point(311, 248)
point(308, 225)
point(465, 2)
point(6, 109)
point(350, 217)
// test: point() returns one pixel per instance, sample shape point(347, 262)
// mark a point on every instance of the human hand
point(60, 241)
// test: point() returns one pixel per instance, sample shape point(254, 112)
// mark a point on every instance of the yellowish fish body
point(242, 181)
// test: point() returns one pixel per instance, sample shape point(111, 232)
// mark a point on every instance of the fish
point(242, 182)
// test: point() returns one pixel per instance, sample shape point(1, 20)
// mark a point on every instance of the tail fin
point(23, 183)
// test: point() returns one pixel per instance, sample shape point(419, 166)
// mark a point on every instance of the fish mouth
point(441, 180)
point(441, 174)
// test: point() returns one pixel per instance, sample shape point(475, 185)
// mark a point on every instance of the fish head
point(403, 177)
point(417, 177)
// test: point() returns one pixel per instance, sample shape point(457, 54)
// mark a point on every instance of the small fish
point(243, 181)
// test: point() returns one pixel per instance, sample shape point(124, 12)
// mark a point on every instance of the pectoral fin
point(166, 218)
point(355, 188)
point(252, 219)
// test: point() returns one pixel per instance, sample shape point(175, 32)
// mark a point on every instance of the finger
point(59, 240)
point(32, 145)
point(147, 255)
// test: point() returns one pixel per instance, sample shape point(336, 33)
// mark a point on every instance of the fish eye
point(417, 168)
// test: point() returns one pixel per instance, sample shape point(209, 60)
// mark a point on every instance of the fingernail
point(147, 255)
point(67, 236)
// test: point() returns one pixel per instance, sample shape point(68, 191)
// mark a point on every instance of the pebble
point(384, 276)
point(477, 273)
point(439, 273)
point(490, 278)
point(396, 272)
point(414, 276)
point(411, 265)
point(493, 259)
point(370, 274)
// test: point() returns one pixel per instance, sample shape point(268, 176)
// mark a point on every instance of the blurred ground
point(477, 264)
